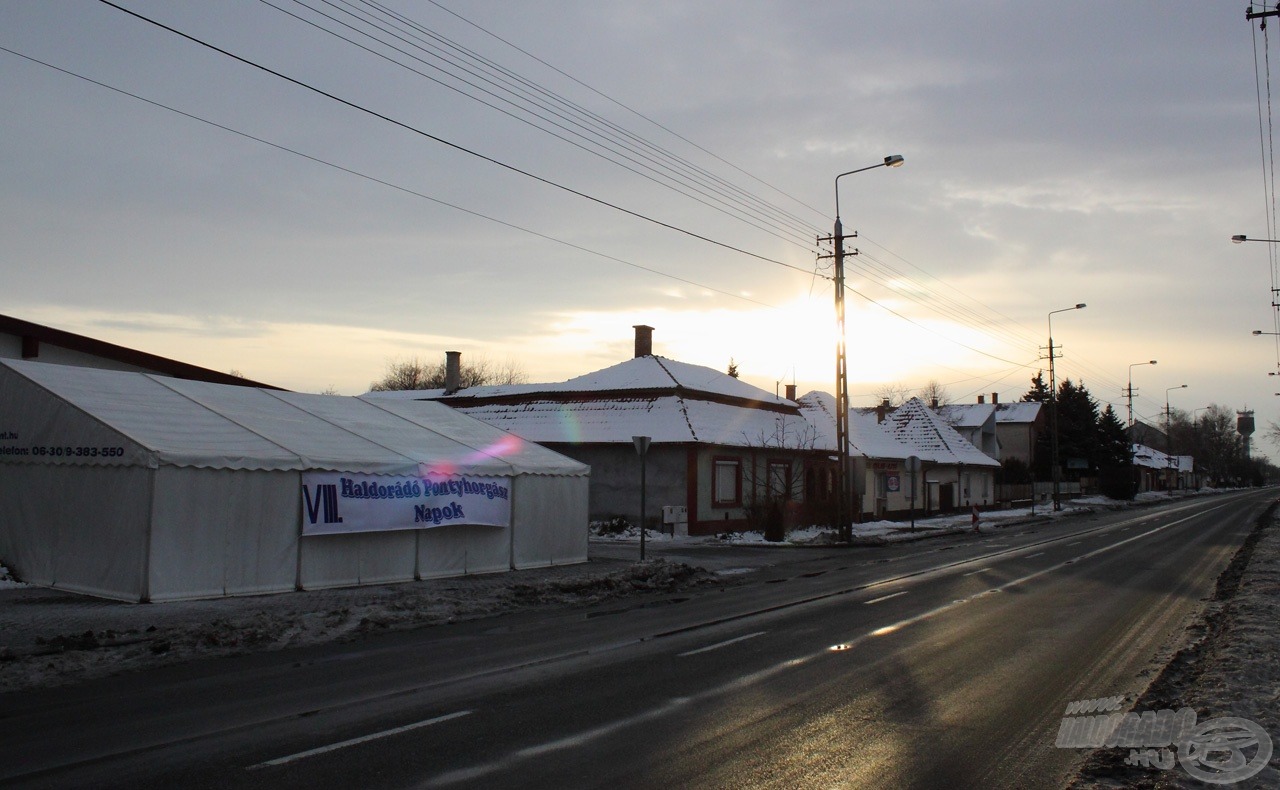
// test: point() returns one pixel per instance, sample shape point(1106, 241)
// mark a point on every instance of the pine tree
point(1039, 392)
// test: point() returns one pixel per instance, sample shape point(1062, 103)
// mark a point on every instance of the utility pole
point(844, 478)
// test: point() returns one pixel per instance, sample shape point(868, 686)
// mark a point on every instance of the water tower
point(1244, 427)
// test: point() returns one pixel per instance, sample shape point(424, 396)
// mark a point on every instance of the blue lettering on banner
point(436, 515)
point(352, 489)
point(324, 505)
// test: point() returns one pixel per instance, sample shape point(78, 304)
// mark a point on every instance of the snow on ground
point(52, 637)
point(868, 533)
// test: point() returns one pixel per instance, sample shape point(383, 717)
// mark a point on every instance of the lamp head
point(1257, 331)
point(1081, 306)
point(893, 160)
point(1238, 238)
point(1153, 362)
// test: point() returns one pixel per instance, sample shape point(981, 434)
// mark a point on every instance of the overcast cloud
point(1094, 152)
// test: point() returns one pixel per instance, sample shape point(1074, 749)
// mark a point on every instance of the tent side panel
point(387, 557)
point(76, 528)
point(550, 520)
point(223, 532)
point(460, 549)
point(350, 559)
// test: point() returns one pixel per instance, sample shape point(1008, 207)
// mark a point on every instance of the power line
point(455, 146)
point(589, 140)
point(380, 181)
point(629, 109)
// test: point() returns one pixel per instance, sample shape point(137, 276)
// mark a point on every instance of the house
point(1159, 471)
point(38, 343)
point(1018, 428)
point(976, 422)
point(954, 473)
point(723, 454)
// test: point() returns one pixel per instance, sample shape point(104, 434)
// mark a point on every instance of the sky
point(361, 206)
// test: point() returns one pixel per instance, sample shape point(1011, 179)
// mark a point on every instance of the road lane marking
point(885, 597)
point(980, 570)
point(362, 739)
point(1037, 554)
point(719, 645)
point(510, 761)
point(1076, 543)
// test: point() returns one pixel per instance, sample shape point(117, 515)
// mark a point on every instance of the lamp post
point(1129, 391)
point(1240, 238)
point(1168, 435)
point(1053, 410)
point(844, 511)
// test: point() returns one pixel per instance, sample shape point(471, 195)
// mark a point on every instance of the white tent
point(146, 488)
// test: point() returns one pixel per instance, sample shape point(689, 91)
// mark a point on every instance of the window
point(780, 479)
point(726, 482)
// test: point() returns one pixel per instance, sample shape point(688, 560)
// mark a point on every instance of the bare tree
point(934, 392)
point(896, 393)
point(774, 473)
point(414, 374)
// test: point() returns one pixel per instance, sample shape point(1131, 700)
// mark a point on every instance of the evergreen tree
point(1039, 392)
point(1114, 458)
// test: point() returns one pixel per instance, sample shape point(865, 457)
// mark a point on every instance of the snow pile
point(7, 582)
point(49, 637)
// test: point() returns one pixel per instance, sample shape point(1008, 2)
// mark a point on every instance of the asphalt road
point(942, 663)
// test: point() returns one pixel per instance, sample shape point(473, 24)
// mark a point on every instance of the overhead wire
point(382, 182)
point(589, 138)
point(622, 105)
point(450, 144)
point(600, 121)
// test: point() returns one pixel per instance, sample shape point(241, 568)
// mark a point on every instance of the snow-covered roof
point(665, 419)
point(161, 420)
point(967, 415)
point(1152, 458)
point(1018, 412)
point(647, 373)
point(916, 425)
point(866, 436)
point(667, 400)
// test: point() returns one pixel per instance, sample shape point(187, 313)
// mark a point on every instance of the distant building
point(26, 340)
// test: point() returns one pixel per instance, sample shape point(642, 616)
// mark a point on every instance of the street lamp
point(1260, 332)
point(1168, 435)
point(1129, 391)
point(843, 476)
point(1053, 410)
point(1240, 238)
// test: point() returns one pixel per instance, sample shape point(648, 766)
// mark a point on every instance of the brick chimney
point(644, 340)
point(995, 398)
point(882, 410)
point(791, 392)
point(982, 399)
point(452, 372)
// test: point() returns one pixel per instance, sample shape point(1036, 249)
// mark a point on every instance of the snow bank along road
point(949, 662)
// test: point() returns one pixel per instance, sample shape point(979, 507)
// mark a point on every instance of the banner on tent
point(338, 502)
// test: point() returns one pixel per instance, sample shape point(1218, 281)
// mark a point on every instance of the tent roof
point(191, 423)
